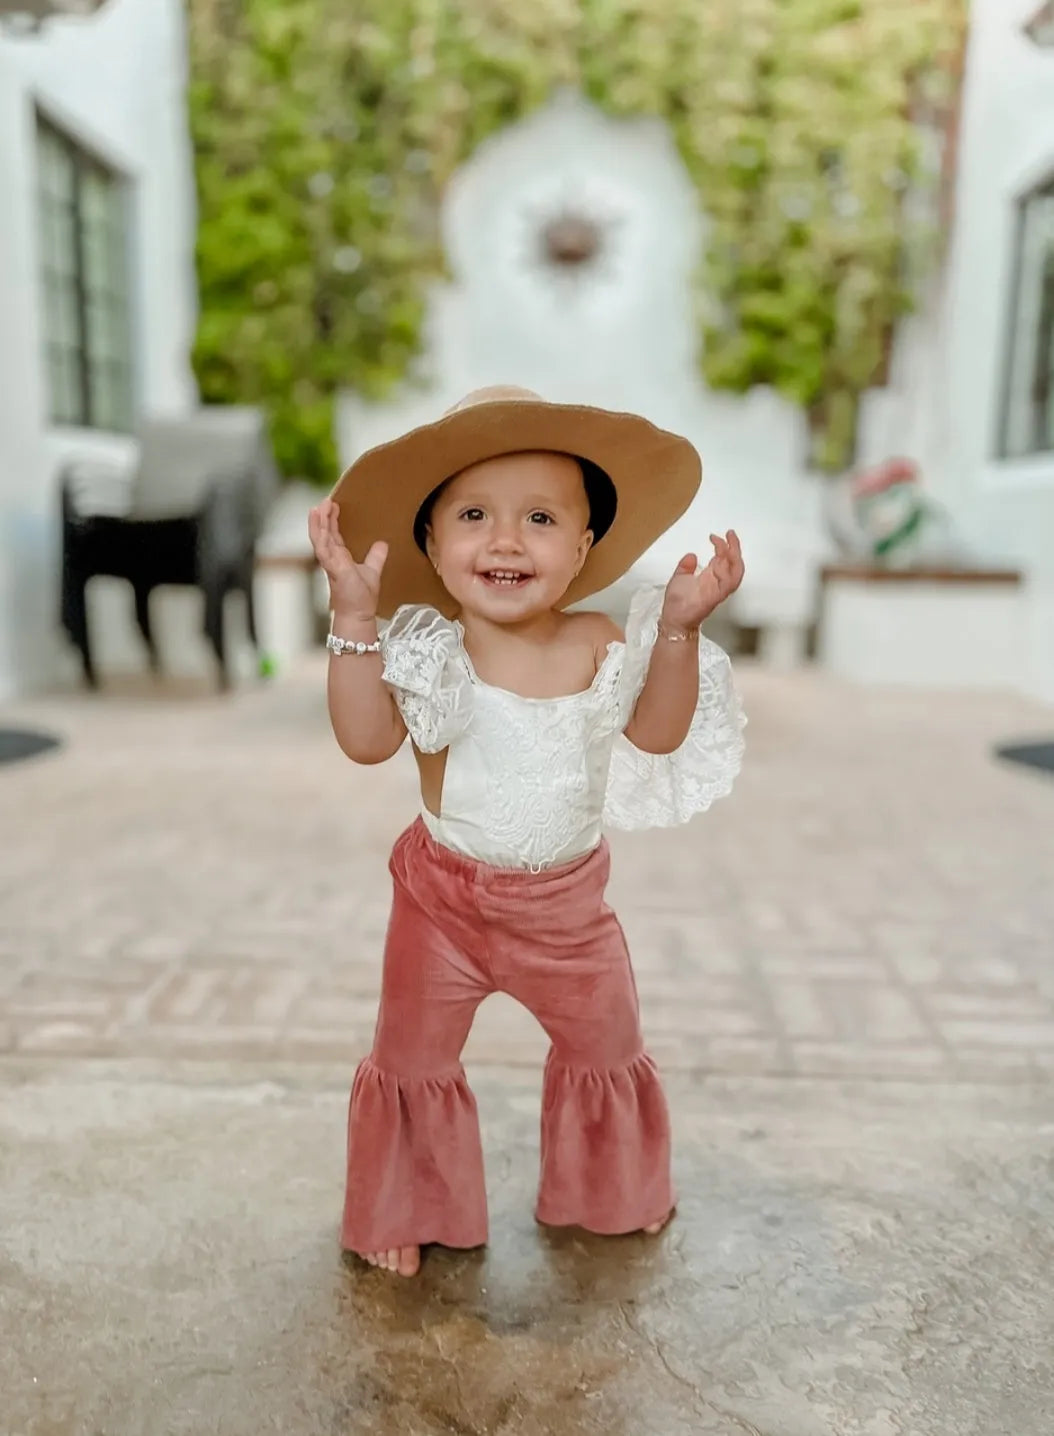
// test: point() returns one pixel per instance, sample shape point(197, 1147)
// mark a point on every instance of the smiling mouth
point(505, 578)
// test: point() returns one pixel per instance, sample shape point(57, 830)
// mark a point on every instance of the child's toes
point(409, 1261)
point(653, 1228)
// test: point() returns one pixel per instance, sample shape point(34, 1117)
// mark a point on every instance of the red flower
point(883, 476)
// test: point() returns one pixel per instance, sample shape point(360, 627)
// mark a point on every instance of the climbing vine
point(325, 131)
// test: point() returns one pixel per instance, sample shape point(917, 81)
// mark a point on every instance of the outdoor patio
point(845, 974)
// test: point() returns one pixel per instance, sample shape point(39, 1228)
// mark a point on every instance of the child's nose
point(506, 539)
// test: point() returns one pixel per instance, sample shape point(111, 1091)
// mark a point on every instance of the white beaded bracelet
point(350, 645)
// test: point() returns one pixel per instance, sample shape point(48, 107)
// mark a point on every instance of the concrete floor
point(845, 972)
point(845, 1260)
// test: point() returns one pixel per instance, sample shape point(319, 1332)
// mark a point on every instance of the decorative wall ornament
point(570, 240)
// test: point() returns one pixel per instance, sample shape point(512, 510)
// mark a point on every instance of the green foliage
point(325, 131)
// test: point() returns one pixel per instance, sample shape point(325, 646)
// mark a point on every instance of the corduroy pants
point(460, 930)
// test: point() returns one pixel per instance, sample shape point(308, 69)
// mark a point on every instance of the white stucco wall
point(115, 82)
point(630, 340)
point(1005, 507)
point(625, 338)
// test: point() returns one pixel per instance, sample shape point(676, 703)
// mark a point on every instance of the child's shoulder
point(597, 629)
point(592, 623)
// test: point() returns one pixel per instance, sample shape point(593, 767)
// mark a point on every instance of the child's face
point(509, 535)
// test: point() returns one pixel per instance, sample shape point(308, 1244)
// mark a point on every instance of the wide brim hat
point(655, 476)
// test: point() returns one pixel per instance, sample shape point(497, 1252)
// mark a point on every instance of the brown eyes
point(476, 515)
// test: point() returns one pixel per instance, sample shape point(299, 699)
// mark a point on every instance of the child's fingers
point(326, 550)
point(376, 557)
point(688, 564)
point(720, 559)
point(721, 548)
point(723, 574)
point(318, 517)
point(736, 555)
point(730, 560)
point(319, 535)
point(711, 581)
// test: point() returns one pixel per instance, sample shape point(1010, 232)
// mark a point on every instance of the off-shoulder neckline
point(613, 649)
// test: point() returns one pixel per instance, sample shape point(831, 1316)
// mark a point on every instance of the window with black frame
point(83, 244)
point(1028, 414)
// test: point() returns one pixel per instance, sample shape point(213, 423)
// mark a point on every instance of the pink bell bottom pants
point(460, 930)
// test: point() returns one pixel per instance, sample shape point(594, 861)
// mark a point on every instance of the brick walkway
point(205, 877)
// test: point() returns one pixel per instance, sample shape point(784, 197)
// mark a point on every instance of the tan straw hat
point(655, 476)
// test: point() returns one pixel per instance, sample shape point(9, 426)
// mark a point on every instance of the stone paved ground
point(847, 971)
point(194, 876)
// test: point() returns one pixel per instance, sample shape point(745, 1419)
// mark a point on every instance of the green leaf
point(324, 131)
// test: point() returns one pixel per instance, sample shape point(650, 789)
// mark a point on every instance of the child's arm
point(666, 705)
point(366, 722)
point(664, 711)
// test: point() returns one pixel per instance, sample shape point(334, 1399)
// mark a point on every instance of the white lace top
point(530, 782)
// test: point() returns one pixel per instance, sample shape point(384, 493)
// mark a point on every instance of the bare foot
point(656, 1227)
point(404, 1260)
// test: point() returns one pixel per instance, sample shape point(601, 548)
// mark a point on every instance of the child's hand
point(354, 588)
point(691, 597)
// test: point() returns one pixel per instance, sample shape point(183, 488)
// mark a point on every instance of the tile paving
point(193, 876)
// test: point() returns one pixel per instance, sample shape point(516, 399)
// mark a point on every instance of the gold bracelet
point(677, 635)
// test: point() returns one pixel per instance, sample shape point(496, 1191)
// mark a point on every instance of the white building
point(97, 104)
point(627, 337)
point(975, 394)
point(97, 292)
point(998, 474)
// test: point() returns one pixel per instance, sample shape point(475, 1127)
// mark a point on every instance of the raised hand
point(690, 596)
point(354, 588)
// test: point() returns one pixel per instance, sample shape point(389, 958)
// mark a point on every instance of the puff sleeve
point(424, 669)
point(662, 790)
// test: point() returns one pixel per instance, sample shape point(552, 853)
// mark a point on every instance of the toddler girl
point(532, 728)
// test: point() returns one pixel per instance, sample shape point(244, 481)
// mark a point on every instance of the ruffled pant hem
point(605, 1148)
point(415, 1163)
point(620, 1228)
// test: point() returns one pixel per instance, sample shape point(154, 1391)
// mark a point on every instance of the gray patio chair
point(191, 515)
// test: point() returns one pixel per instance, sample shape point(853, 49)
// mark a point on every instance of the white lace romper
point(532, 782)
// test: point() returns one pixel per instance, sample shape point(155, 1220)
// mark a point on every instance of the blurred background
point(241, 241)
point(817, 237)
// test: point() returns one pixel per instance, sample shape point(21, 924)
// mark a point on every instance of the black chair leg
point(250, 612)
point(142, 617)
point(216, 632)
point(75, 618)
